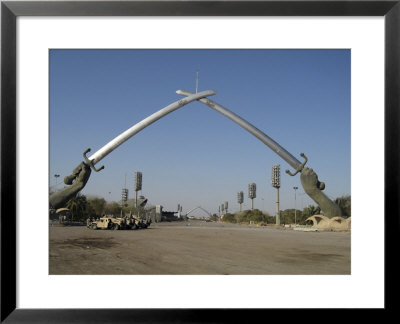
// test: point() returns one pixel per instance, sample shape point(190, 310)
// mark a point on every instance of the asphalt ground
point(198, 247)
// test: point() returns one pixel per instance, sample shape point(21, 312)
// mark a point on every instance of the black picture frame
point(10, 10)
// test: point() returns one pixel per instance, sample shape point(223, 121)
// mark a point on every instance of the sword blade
point(117, 141)
point(289, 158)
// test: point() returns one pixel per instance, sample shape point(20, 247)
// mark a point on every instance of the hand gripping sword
point(309, 179)
point(80, 175)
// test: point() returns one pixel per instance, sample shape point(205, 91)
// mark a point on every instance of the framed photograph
point(328, 71)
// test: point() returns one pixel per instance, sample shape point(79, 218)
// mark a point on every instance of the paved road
point(198, 247)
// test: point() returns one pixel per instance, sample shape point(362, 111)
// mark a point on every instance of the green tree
point(98, 205)
point(270, 219)
point(112, 208)
point(344, 203)
point(89, 212)
point(229, 218)
point(214, 217)
point(288, 216)
point(255, 215)
point(77, 207)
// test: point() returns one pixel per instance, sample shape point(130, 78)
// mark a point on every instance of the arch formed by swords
point(198, 207)
point(82, 172)
point(189, 97)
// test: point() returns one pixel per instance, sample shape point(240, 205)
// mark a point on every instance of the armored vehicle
point(136, 222)
point(108, 223)
point(119, 223)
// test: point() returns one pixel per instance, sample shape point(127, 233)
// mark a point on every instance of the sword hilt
point(90, 162)
point(300, 167)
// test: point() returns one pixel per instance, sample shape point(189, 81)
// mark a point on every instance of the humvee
point(135, 222)
point(108, 223)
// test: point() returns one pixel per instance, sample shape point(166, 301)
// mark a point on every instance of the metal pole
point(295, 188)
point(278, 219)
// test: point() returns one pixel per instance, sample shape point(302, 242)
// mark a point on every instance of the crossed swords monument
point(80, 175)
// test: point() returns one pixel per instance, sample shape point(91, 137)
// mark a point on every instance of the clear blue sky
point(195, 156)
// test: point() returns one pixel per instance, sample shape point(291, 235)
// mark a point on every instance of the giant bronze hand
point(76, 181)
point(313, 187)
point(309, 178)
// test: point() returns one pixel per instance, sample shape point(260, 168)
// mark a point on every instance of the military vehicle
point(107, 223)
point(136, 222)
point(119, 223)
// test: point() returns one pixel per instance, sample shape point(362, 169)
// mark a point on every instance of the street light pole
point(295, 188)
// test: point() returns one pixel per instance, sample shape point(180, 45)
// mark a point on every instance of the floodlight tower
point(252, 193)
point(240, 199)
point(138, 185)
point(124, 196)
point(276, 183)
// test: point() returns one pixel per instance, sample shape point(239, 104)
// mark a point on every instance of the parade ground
point(198, 247)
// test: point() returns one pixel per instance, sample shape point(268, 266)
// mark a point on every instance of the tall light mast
point(240, 199)
point(138, 185)
point(252, 193)
point(276, 183)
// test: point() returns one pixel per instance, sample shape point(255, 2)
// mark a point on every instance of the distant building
point(168, 216)
point(154, 213)
point(158, 214)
